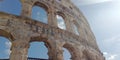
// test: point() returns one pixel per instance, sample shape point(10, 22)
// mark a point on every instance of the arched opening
point(61, 23)
point(75, 28)
point(71, 52)
point(38, 50)
point(66, 54)
point(5, 46)
point(13, 7)
point(40, 12)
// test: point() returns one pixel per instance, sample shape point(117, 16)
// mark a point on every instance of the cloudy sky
point(104, 19)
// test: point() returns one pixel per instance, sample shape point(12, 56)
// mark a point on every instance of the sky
point(102, 15)
point(104, 19)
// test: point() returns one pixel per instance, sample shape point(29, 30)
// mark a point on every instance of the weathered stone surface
point(21, 30)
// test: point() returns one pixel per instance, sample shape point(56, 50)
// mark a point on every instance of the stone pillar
point(26, 9)
point(84, 35)
point(56, 52)
point(68, 24)
point(75, 54)
point(52, 20)
point(81, 31)
point(19, 50)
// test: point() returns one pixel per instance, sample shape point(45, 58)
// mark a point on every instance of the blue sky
point(10, 6)
point(37, 15)
point(103, 16)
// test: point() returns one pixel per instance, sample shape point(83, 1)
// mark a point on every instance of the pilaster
point(68, 24)
point(56, 52)
point(19, 50)
point(26, 9)
point(52, 20)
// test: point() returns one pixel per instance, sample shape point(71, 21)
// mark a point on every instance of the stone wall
point(22, 30)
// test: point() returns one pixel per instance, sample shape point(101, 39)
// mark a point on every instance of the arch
point(40, 12)
point(5, 46)
point(76, 27)
point(45, 40)
point(41, 4)
point(6, 34)
point(41, 39)
point(13, 7)
point(71, 49)
point(38, 47)
point(61, 14)
point(61, 20)
point(66, 54)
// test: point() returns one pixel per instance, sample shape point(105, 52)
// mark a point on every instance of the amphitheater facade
point(22, 30)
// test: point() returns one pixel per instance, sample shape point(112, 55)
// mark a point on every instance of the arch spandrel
point(73, 50)
point(6, 34)
point(42, 4)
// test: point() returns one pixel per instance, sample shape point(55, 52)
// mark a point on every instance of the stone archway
point(76, 27)
point(66, 54)
point(40, 12)
point(45, 43)
point(38, 50)
point(72, 50)
point(41, 4)
point(6, 38)
point(61, 23)
point(5, 46)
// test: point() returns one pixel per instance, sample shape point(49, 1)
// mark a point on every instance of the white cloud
point(112, 57)
point(112, 45)
point(88, 2)
point(38, 15)
point(105, 53)
point(8, 45)
point(61, 23)
point(8, 52)
point(113, 40)
point(59, 17)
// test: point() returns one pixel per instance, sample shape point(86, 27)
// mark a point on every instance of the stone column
point(26, 9)
point(68, 24)
point(81, 31)
point(56, 52)
point(52, 17)
point(19, 50)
